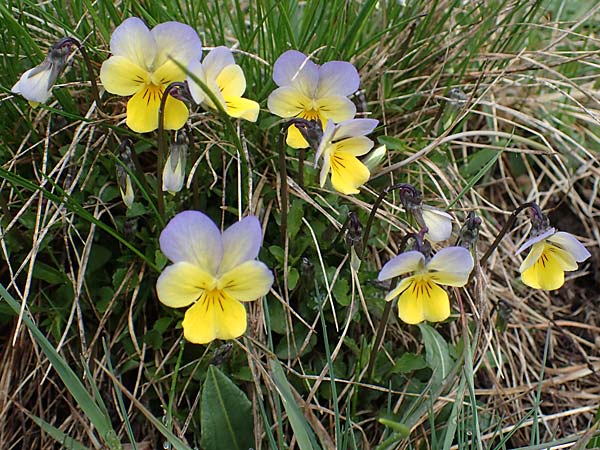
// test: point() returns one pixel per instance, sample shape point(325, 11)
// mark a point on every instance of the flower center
point(215, 297)
point(153, 93)
point(311, 114)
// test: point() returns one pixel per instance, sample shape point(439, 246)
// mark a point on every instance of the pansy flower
point(421, 297)
point(213, 272)
point(226, 81)
point(141, 67)
point(339, 147)
point(312, 92)
point(35, 84)
point(552, 254)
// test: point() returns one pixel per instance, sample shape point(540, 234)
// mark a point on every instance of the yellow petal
point(215, 315)
point(423, 300)
point(347, 173)
point(436, 306)
point(295, 139)
point(142, 110)
point(231, 81)
point(546, 273)
point(167, 73)
point(248, 281)
point(242, 108)
point(336, 108)
point(357, 146)
point(182, 283)
point(120, 76)
point(288, 102)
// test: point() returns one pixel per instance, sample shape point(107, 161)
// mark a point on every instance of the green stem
point(375, 208)
point(379, 335)
point(283, 184)
point(90, 69)
point(509, 223)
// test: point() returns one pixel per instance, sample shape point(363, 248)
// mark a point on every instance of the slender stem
point(509, 223)
point(284, 184)
point(374, 211)
point(160, 161)
point(301, 155)
point(379, 335)
point(91, 73)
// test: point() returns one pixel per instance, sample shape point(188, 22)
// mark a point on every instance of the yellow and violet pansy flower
point(35, 84)
point(213, 272)
point(226, 81)
point(339, 147)
point(552, 254)
point(421, 297)
point(141, 66)
point(312, 92)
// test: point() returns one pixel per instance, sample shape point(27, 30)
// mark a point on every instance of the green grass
point(98, 361)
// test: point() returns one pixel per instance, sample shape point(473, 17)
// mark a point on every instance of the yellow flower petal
point(242, 108)
point(336, 108)
point(288, 102)
point(248, 281)
point(423, 300)
point(120, 76)
point(347, 173)
point(182, 283)
point(231, 81)
point(357, 146)
point(295, 139)
point(142, 110)
point(547, 272)
point(167, 73)
point(215, 315)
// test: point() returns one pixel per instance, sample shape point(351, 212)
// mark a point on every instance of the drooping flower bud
point(35, 84)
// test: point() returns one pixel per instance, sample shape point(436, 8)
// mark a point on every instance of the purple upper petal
point(216, 60)
point(241, 243)
point(193, 237)
point(540, 237)
point(570, 243)
point(295, 68)
point(403, 263)
point(133, 40)
point(337, 78)
point(354, 127)
point(178, 41)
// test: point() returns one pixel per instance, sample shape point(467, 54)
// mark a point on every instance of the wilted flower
point(421, 297)
point(340, 146)
point(141, 66)
point(174, 170)
point(226, 81)
point(312, 92)
point(35, 84)
point(213, 272)
point(552, 254)
point(437, 222)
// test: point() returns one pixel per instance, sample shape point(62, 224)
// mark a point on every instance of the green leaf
point(392, 143)
point(437, 353)
point(226, 414)
point(59, 436)
point(409, 362)
point(302, 431)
